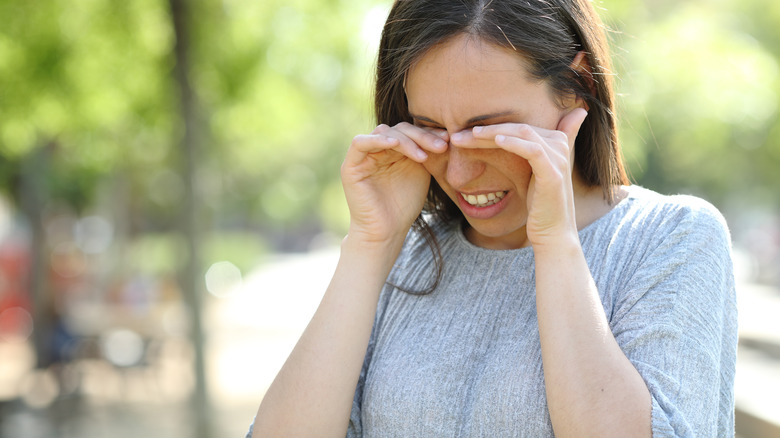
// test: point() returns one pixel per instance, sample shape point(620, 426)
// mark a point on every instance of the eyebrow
point(470, 122)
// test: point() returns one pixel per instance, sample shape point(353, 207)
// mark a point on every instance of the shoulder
point(654, 235)
point(671, 257)
point(646, 200)
point(674, 216)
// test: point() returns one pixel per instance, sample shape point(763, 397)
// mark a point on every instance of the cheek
point(514, 168)
point(436, 165)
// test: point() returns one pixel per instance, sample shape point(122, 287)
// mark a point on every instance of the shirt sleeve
point(676, 321)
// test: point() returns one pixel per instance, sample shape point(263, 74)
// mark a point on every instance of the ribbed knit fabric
point(465, 360)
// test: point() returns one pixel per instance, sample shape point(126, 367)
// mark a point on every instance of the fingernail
point(438, 144)
point(477, 129)
point(457, 137)
point(421, 155)
point(500, 138)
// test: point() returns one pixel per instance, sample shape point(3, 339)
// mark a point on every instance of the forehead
point(466, 77)
point(478, 53)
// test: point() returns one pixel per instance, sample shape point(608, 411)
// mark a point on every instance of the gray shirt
point(465, 360)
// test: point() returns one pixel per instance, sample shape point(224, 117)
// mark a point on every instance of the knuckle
point(536, 151)
point(524, 130)
point(432, 137)
point(409, 145)
point(561, 136)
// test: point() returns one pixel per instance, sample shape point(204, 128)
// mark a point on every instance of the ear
point(581, 66)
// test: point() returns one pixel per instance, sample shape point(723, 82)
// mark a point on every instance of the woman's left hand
point(550, 197)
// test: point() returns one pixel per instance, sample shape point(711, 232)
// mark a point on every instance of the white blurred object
point(122, 347)
point(222, 279)
point(39, 388)
point(93, 234)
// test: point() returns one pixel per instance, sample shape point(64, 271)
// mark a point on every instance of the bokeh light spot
point(16, 324)
point(222, 279)
point(93, 234)
point(39, 389)
point(122, 347)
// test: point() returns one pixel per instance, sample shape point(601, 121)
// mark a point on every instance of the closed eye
point(483, 120)
point(424, 124)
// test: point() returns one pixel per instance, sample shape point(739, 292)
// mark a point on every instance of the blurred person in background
point(501, 277)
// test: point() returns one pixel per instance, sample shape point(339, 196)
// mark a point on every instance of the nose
point(463, 166)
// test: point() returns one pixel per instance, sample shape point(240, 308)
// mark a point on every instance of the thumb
point(570, 123)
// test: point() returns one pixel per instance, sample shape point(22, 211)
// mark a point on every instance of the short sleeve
point(676, 321)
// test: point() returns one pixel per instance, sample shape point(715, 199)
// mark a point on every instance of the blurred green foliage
point(699, 91)
point(283, 86)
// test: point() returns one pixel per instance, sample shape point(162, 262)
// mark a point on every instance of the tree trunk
point(32, 202)
point(190, 213)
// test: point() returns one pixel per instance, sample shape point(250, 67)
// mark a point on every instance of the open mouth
point(484, 199)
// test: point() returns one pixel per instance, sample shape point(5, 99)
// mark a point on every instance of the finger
point(406, 145)
point(532, 151)
point(535, 151)
point(522, 130)
point(570, 124)
point(441, 133)
point(556, 141)
point(512, 137)
point(547, 167)
point(484, 136)
point(467, 139)
point(431, 139)
point(363, 145)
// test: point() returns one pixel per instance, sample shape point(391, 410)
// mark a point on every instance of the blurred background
point(170, 202)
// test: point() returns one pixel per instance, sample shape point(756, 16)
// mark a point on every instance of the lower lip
point(482, 212)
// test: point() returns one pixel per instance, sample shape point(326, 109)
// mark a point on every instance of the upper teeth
point(483, 200)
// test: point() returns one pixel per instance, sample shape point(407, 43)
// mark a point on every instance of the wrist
point(559, 245)
point(371, 248)
point(368, 260)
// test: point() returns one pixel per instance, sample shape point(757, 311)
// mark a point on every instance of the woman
point(539, 293)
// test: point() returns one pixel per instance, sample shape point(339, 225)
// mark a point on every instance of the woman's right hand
point(385, 182)
point(385, 185)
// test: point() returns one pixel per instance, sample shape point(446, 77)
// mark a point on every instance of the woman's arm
point(312, 394)
point(385, 186)
point(592, 387)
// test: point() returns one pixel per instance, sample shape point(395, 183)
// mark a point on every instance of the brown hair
point(547, 34)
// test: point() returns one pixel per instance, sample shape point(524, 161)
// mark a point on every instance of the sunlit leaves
point(286, 88)
point(700, 94)
point(91, 79)
point(283, 86)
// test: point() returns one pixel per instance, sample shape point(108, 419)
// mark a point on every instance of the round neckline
point(632, 191)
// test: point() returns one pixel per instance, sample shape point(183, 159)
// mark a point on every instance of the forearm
point(312, 394)
point(592, 387)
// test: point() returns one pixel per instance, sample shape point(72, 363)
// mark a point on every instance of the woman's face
point(466, 82)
